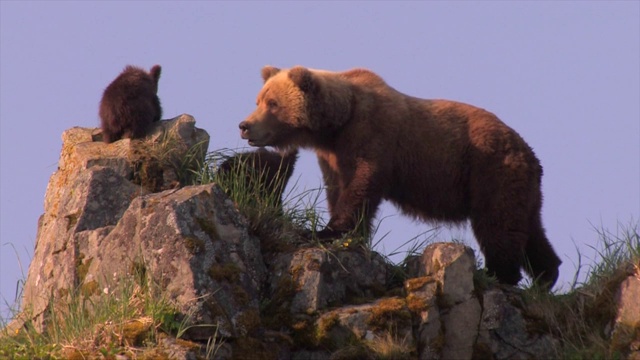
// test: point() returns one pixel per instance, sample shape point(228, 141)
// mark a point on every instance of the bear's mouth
point(251, 141)
point(255, 142)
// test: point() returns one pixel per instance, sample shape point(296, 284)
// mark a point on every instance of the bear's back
point(130, 104)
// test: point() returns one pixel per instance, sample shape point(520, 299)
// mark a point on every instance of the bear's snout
point(244, 129)
point(248, 132)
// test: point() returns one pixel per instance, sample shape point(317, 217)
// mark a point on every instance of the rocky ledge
point(122, 210)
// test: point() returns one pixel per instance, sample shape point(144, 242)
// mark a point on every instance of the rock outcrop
point(126, 210)
point(626, 326)
point(89, 194)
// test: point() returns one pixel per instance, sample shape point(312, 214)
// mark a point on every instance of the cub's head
point(294, 106)
point(137, 78)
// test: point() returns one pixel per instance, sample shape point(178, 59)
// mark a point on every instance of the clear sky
point(565, 75)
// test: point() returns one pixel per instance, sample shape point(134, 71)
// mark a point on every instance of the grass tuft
point(128, 321)
point(583, 317)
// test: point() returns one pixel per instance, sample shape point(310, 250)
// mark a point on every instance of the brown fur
point(435, 159)
point(130, 104)
point(273, 168)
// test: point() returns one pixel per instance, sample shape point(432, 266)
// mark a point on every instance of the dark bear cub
point(270, 171)
point(130, 104)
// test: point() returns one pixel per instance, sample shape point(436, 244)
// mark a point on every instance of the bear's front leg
point(353, 201)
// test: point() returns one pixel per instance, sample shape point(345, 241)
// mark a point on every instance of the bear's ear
point(302, 77)
point(155, 73)
point(268, 72)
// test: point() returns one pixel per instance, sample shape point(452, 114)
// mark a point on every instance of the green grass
point(582, 317)
point(279, 223)
point(127, 322)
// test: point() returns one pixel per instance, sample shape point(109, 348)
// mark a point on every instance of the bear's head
point(135, 77)
point(296, 106)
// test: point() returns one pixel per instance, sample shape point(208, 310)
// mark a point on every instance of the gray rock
point(198, 251)
point(322, 279)
point(503, 331)
point(460, 325)
point(446, 311)
point(371, 322)
point(94, 199)
point(422, 297)
point(452, 265)
point(626, 330)
point(86, 197)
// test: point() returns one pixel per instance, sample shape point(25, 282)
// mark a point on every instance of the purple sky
point(565, 75)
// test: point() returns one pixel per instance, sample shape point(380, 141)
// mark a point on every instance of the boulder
point(195, 246)
point(89, 193)
point(321, 278)
point(371, 322)
point(626, 330)
point(504, 332)
point(452, 265)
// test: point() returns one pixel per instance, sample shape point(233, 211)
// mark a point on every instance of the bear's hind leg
point(138, 131)
point(111, 134)
point(141, 119)
point(503, 249)
point(542, 262)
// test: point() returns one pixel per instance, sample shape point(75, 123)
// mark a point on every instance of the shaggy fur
point(273, 168)
point(435, 159)
point(130, 104)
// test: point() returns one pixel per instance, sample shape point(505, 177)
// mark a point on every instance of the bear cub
point(130, 104)
point(272, 168)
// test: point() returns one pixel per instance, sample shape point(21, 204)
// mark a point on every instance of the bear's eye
point(272, 104)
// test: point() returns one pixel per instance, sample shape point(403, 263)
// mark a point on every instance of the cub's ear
point(268, 72)
point(302, 77)
point(155, 73)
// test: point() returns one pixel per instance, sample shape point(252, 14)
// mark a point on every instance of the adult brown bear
point(435, 159)
point(130, 104)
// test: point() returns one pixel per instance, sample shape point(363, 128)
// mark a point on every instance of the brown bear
point(269, 170)
point(436, 160)
point(130, 104)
